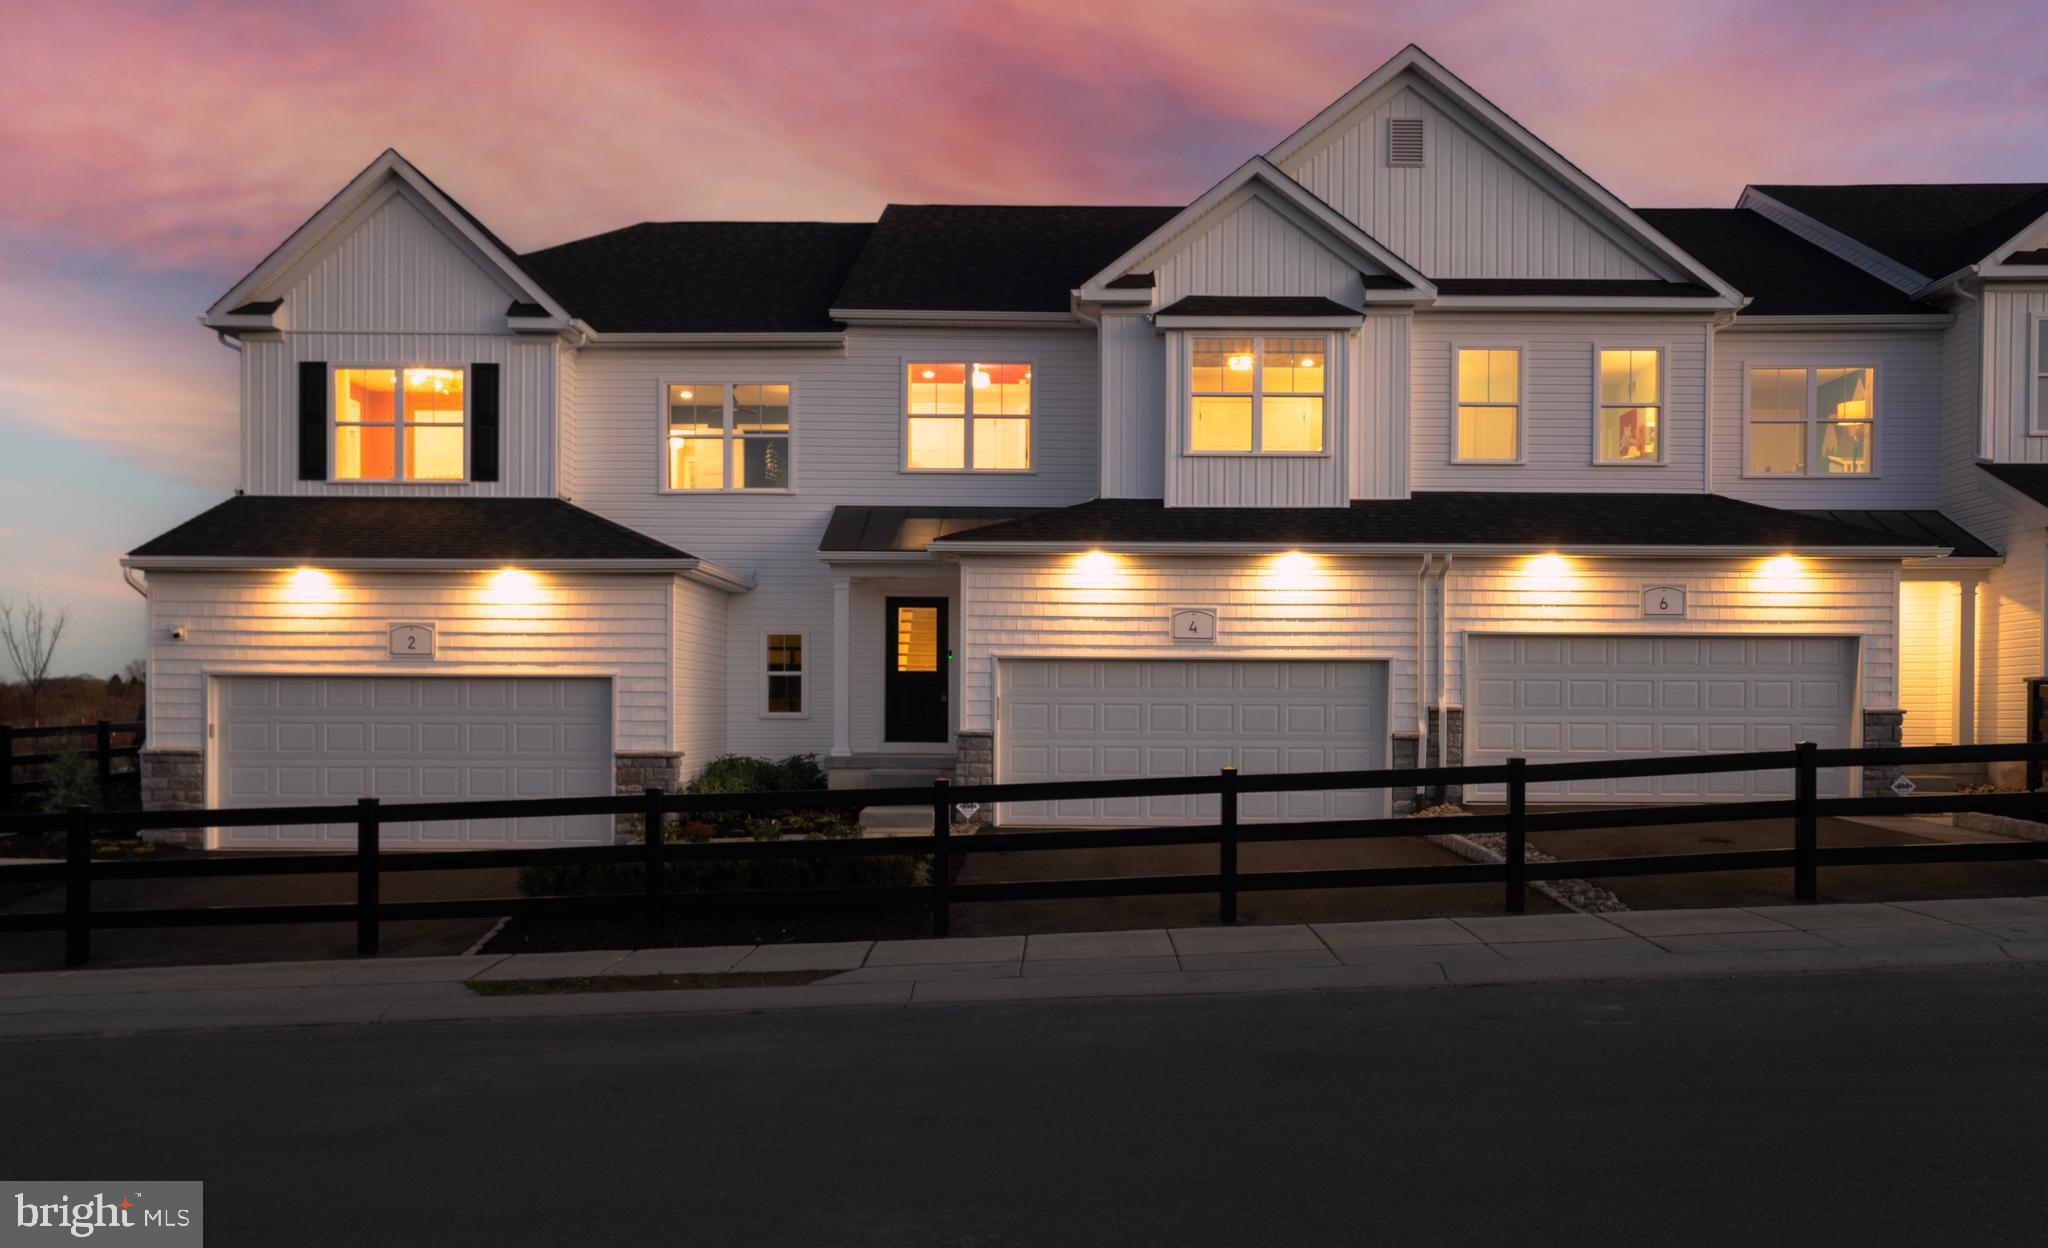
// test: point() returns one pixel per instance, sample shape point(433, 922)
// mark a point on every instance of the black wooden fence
point(368, 863)
point(106, 742)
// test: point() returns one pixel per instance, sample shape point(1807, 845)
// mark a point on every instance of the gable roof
point(704, 276)
point(1934, 228)
point(1413, 60)
point(337, 210)
point(1259, 172)
point(1782, 273)
point(299, 528)
point(1515, 521)
point(989, 258)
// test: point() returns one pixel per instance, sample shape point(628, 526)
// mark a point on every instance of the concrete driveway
point(283, 942)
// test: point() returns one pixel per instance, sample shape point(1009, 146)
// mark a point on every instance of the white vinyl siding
point(1377, 431)
point(1253, 243)
point(1134, 410)
point(1042, 607)
point(1929, 616)
point(396, 267)
point(247, 622)
point(1473, 209)
point(1557, 398)
point(698, 615)
point(2010, 320)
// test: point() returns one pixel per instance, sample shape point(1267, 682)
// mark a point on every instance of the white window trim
point(1521, 350)
point(1662, 403)
point(967, 468)
point(1814, 422)
point(803, 672)
point(2037, 419)
point(1258, 392)
point(398, 476)
point(727, 438)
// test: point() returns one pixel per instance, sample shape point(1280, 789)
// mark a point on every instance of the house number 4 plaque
point(1194, 624)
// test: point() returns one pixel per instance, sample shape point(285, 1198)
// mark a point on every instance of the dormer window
point(1256, 396)
point(399, 424)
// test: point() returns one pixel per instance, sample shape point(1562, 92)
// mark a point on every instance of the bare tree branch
point(30, 635)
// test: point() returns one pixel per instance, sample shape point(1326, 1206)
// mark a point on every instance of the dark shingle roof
point(882, 529)
point(1933, 228)
point(456, 529)
point(1648, 287)
point(1256, 305)
point(1448, 518)
point(1914, 526)
point(1782, 273)
point(2029, 479)
point(703, 276)
point(989, 258)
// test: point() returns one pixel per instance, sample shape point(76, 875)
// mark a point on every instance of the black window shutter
point(483, 419)
point(312, 421)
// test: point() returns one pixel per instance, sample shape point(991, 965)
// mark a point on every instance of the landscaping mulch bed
point(644, 983)
point(740, 927)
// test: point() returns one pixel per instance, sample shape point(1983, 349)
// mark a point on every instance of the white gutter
point(695, 569)
point(1443, 648)
point(740, 341)
point(128, 575)
point(932, 316)
point(1901, 321)
point(1421, 649)
point(944, 549)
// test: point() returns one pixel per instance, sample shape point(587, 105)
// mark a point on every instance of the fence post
point(942, 832)
point(656, 865)
point(105, 744)
point(6, 766)
point(1226, 849)
point(368, 882)
point(1805, 824)
point(1517, 855)
point(77, 886)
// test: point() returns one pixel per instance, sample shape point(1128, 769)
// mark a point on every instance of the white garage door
point(1558, 699)
point(324, 740)
point(1085, 719)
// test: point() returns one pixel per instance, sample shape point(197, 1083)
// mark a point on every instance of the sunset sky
point(153, 152)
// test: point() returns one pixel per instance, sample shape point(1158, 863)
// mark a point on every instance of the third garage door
point(1096, 719)
point(1557, 699)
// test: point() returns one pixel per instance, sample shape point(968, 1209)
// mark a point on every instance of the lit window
point(728, 436)
point(967, 415)
point(1256, 395)
point(399, 424)
point(1811, 421)
point(1489, 424)
point(2040, 390)
point(784, 690)
point(1631, 407)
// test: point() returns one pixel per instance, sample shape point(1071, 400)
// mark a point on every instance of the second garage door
point(1091, 719)
point(1557, 699)
point(328, 740)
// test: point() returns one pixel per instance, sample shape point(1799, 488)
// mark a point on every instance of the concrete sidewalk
point(1304, 957)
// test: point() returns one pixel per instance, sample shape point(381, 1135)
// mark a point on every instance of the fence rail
point(98, 738)
point(369, 862)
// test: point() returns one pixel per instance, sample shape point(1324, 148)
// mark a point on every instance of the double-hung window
point(728, 437)
point(1631, 416)
point(1811, 422)
point(962, 417)
point(1262, 396)
point(2039, 380)
point(1489, 405)
point(399, 424)
point(783, 690)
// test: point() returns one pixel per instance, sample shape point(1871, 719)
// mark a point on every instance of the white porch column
point(842, 665)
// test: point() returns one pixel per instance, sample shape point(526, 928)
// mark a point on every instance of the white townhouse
point(1407, 441)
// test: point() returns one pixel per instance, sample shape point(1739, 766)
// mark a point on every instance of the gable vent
point(1404, 141)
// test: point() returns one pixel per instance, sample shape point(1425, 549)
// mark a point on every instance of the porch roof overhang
point(1256, 312)
point(857, 534)
point(1465, 522)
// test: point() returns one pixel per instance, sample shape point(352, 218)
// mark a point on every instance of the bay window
point(961, 417)
point(728, 436)
point(1813, 422)
point(1256, 395)
point(399, 424)
point(1631, 407)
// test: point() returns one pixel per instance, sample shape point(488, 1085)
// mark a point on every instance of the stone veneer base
point(174, 780)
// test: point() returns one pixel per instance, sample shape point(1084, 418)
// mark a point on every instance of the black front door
point(914, 704)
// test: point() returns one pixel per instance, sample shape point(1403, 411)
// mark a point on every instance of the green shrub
point(73, 779)
point(739, 773)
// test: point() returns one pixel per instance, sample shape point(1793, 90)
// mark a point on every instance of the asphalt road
point(1868, 1109)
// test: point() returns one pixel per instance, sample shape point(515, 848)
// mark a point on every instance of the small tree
point(30, 634)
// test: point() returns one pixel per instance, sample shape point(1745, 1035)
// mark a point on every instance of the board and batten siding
point(1377, 432)
point(846, 448)
point(1252, 243)
point(1046, 606)
point(397, 267)
point(1134, 412)
point(252, 622)
point(1843, 598)
point(1558, 401)
point(2009, 318)
point(1253, 480)
point(1474, 208)
point(1908, 435)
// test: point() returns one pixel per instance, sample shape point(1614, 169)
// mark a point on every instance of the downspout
point(1422, 657)
point(128, 575)
point(1443, 657)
